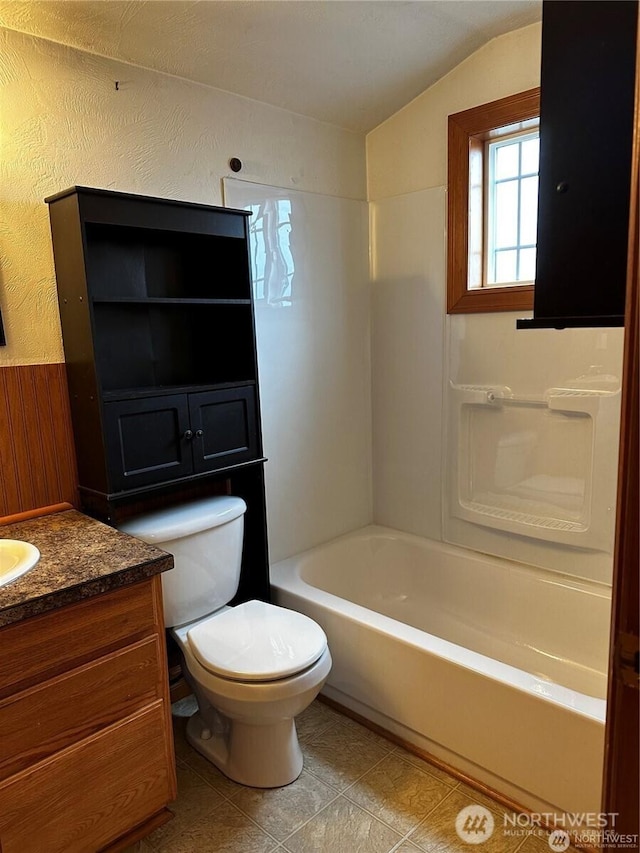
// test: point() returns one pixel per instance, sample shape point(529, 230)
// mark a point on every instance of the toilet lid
point(256, 641)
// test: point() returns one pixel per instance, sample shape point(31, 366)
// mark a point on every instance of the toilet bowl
point(246, 727)
point(252, 667)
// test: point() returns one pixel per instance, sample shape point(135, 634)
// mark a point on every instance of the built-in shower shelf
point(529, 519)
point(502, 395)
point(580, 392)
point(536, 465)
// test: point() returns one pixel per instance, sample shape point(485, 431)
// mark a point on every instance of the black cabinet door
point(148, 441)
point(224, 427)
point(586, 134)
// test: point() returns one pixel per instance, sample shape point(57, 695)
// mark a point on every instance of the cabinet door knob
point(188, 435)
point(199, 433)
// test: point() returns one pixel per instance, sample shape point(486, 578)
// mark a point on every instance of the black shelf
point(158, 325)
point(130, 494)
point(570, 322)
point(160, 390)
point(142, 263)
point(587, 93)
point(145, 344)
point(165, 300)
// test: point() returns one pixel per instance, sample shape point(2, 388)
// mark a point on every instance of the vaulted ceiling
point(352, 63)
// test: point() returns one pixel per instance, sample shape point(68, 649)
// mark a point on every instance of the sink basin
point(16, 558)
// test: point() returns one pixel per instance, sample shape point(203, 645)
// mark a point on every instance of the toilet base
point(260, 756)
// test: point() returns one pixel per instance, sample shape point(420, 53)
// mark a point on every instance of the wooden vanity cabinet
point(87, 758)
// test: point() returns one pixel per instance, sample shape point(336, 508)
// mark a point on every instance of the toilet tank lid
point(174, 522)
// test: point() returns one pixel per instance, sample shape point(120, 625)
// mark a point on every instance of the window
point(492, 205)
point(511, 209)
point(271, 258)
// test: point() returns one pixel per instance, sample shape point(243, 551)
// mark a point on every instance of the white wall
point(62, 123)
point(417, 349)
point(408, 265)
point(315, 372)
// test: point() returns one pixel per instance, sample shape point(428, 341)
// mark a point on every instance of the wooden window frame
point(467, 134)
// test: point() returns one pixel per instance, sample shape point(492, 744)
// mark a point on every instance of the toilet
point(252, 667)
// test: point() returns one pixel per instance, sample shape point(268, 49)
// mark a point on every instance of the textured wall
point(408, 151)
point(62, 122)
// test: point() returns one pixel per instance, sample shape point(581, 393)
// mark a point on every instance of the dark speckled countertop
point(79, 557)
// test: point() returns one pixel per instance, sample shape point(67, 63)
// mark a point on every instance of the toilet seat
point(256, 642)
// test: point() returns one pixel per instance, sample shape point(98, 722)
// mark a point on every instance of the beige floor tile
point(282, 810)
point(210, 773)
point(535, 843)
point(358, 793)
point(437, 832)
point(225, 830)
point(339, 755)
point(426, 766)
point(398, 793)
point(343, 827)
point(315, 719)
point(195, 796)
point(196, 800)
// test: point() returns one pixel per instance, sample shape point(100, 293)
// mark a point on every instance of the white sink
point(16, 558)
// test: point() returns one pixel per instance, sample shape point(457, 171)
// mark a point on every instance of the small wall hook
point(235, 164)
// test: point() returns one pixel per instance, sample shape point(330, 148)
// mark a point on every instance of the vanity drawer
point(42, 720)
point(85, 797)
point(55, 642)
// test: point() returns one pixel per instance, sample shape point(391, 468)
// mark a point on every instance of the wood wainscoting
point(37, 456)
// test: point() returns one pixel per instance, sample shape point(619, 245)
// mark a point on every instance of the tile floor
point(357, 793)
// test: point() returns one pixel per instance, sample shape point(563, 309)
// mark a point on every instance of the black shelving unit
point(587, 93)
point(159, 337)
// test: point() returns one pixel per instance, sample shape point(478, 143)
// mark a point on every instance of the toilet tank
point(205, 538)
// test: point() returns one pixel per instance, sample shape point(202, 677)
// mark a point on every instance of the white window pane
point(530, 156)
point(506, 266)
point(506, 214)
point(528, 210)
point(512, 210)
point(507, 161)
point(527, 265)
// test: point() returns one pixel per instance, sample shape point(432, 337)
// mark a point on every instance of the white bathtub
point(496, 668)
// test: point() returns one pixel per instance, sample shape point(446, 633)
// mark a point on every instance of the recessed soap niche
point(538, 467)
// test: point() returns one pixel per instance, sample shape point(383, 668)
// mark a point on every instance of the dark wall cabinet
point(587, 92)
point(153, 439)
point(159, 337)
